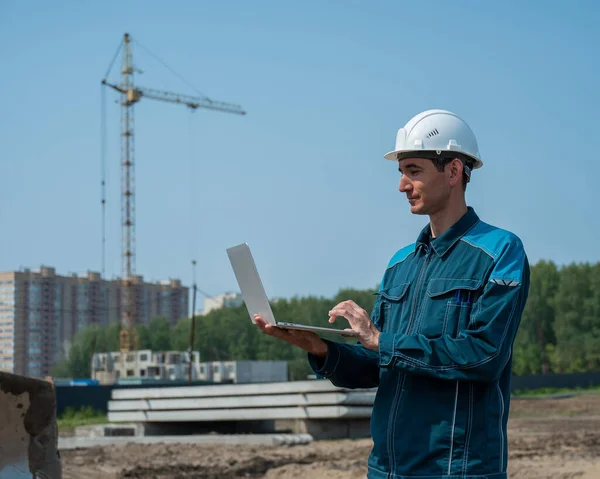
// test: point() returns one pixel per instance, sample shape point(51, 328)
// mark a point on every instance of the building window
point(143, 357)
point(142, 372)
point(217, 369)
point(130, 373)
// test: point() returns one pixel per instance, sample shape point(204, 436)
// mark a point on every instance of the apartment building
point(41, 311)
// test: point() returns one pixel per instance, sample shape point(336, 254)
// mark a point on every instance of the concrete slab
point(242, 414)
point(292, 387)
point(252, 439)
point(279, 400)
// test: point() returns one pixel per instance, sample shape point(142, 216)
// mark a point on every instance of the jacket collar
point(443, 243)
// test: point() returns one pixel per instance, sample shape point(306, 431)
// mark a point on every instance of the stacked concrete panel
point(302, 406)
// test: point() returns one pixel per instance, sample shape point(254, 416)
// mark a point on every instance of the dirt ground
point(548, 439)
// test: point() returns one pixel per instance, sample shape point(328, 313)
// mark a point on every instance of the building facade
point(244, 372)
point(108, 368)
point(225, 300)
point(41, 311)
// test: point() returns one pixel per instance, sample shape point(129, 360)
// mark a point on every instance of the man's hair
point(440, 163)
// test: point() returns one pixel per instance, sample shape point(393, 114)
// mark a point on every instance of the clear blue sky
point(302, 177)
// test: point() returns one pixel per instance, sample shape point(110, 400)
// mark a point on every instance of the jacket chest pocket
point(447, 307)
point(389, 307)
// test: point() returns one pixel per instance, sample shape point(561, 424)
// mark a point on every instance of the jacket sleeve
point(481, 352)
point(347, 365)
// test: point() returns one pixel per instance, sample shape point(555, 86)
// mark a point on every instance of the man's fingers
point(348, 335)
point(279, 333)
point(344, 312)
point(339, 309)
point(260, 322)
point(356, 308)
point(351, 306)
point(267, 328)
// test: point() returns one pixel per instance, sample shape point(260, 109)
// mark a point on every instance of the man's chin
point(417, 210)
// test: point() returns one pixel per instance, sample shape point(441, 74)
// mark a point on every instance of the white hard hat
point(436, 132)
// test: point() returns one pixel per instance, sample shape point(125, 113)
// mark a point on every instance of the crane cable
point(163, 63)
point(113, 60)
point(103, 164)
point(193, 248)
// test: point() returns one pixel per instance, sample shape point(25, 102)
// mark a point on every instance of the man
point(438, 343)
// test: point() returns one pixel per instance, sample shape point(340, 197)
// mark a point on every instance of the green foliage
point(84, 416)
point(559, 331)
point(159, 334)
point(537, 324)
point(552, 391)
point(144, 336)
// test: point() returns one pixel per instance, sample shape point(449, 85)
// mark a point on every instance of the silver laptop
point(254, 294)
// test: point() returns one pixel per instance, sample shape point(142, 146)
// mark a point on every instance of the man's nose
point(404, 185)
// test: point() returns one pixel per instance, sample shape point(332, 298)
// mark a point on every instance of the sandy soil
point(549, 439)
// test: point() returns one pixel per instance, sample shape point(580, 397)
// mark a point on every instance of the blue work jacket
point(448, 310)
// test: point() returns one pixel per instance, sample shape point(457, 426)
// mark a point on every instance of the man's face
point(427, 189)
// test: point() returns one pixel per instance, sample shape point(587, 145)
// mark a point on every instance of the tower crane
point(130, 95)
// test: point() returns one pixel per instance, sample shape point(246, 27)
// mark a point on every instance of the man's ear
point(455, 168)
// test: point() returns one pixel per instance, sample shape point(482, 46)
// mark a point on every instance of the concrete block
point(28, 432)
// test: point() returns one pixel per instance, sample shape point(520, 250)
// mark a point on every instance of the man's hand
point(360, 321)
point(306, 340)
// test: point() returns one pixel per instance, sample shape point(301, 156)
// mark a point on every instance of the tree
point(537, 324)
point(159, 333)
point(591, 320)
point(180, 335)
point(144, 336)
point(571, 325)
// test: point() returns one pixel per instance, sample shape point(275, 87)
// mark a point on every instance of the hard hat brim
point(393, 155)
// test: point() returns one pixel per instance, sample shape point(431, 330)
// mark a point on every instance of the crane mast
point(128, 339)
point(130, 95)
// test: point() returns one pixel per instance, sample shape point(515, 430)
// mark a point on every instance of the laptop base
point(316, 329)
